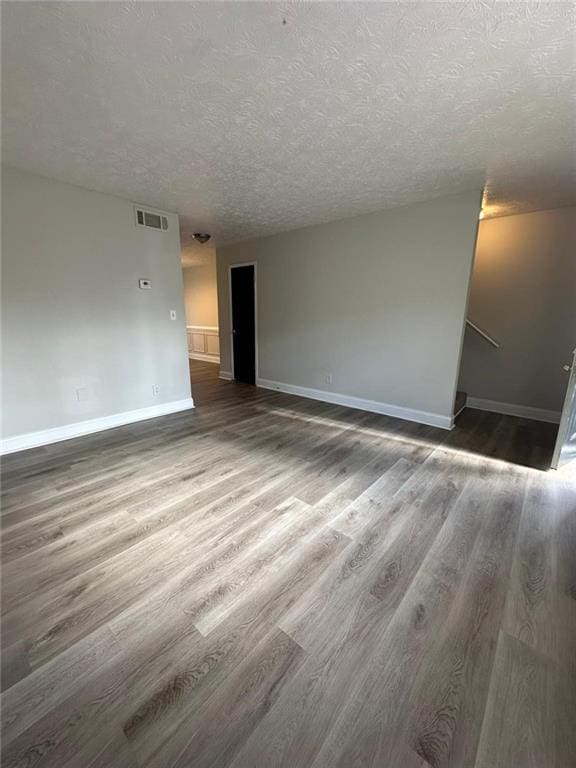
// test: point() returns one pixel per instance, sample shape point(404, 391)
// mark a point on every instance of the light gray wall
point(523, 293)
point(378, 301)
point(72, 313)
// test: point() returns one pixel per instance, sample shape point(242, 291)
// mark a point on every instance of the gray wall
point(523, 293)
point(73, 315)
point(378, 301)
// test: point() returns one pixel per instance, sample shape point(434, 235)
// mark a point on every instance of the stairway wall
point(523, 293)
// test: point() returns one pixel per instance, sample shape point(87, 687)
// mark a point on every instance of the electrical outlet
point(155, 390)
point(328, 378)
point(172, 314)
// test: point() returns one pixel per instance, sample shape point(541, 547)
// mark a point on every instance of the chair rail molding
point(203, 342)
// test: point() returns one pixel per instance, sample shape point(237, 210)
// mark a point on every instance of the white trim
point(563, 435)
point(230, 268)
point(206, 357)
point(226, 375)
point(202, 328)
point(457, 413)
point(56, 434)
point(398, 411)
point(198, 351)
point(511, 409)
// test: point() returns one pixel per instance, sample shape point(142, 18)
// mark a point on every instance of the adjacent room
point(201, 301)
point(288, 405)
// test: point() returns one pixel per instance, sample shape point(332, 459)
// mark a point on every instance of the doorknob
point(567, 368)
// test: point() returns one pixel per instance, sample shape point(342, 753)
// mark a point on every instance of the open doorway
point(243, 321)
point(201, 304)
point(520, 334)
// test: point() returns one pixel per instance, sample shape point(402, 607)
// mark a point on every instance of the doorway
point(243, 321)
point(565, 448)
point(199, 274)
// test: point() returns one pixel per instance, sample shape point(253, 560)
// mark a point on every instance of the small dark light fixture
point(201, 238)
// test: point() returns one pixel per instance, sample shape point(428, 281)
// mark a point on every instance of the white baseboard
point(510, 409)
point(459, 411)
point(226, 375)
point(399, 412)
point(206, 358)
point(57, 434)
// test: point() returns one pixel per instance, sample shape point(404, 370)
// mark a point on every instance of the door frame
point(563, 426)
point(230, 268)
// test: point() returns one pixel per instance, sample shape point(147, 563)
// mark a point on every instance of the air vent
point(150, 219)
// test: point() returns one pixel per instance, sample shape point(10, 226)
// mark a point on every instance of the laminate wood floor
point(273, 581)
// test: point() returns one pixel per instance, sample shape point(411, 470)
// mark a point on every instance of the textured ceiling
point(253, 118)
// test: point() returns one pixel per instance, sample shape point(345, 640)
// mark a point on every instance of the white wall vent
point(150, 219)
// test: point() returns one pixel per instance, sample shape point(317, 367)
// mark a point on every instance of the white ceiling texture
point(253, 118)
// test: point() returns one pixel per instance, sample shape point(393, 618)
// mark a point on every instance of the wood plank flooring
point(272, 581)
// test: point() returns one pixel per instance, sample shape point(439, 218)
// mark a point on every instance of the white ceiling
point(253, 118)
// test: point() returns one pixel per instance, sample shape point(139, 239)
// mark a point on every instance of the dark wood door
point(243, 324)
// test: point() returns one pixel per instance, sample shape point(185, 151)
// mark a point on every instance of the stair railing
point(482, 333)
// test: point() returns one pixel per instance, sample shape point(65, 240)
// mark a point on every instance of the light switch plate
point(172, 314)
